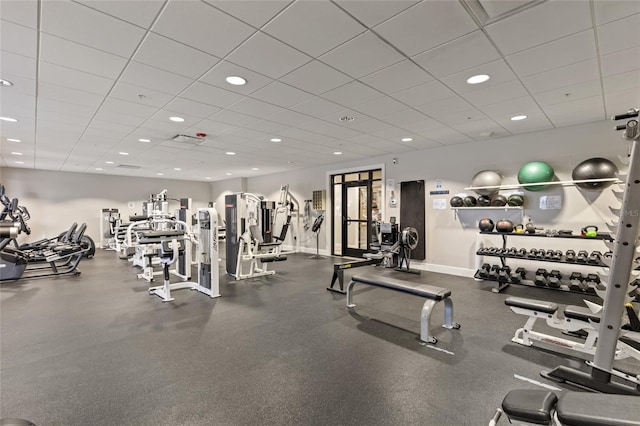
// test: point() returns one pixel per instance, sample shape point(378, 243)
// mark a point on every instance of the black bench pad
point(532, 304)
point(161, 234)
point(582, 314)
point(533, 406)
point(423, 290)
point(596, 409)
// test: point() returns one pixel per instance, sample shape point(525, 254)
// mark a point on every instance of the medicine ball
point(498, 200)
point(594, 168)
point(486, 178)
point(536, 172)
point(484, 201)
point(515, 200)
point(504, 225)
point(456, 202)
point(485, 225)
point(469, 201)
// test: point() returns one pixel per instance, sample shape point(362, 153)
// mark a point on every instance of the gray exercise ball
point(594, 168)
point(486, 178)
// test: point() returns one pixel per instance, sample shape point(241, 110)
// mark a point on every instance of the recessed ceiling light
point(236, 81)
point(5, 83)
point(144, 140)
point(13, 140)
point(207, 177)
point(407, 139)
point(255, 168)
point(99, 168)
point(109, 162)
point(230, 153)
point(518, 117)
point(16, 153)
point(176, 119)
point(337, 153)
point(480, 78)
point(123, 153)
point(177, 169)
point(160, 174)
point(9, 119)
point(228, 174)
point(275, 140)
point(19, 162)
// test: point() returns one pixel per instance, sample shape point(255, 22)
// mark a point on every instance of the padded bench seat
point(595, 409)
point(151, 237)
point(433, 295)
point(581, 314)
point(532, 304)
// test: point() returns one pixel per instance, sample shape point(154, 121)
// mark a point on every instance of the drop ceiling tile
point(424, 143)
point(115, 123)
point(272, 57)
point(569, 93)
point(211, 95)
point(540, 24)
point(208, 29)
point(328, 129)
point(50, 126)
point(154, 78)
point(23, 13)
point(160, 123)
point(620, 62)
point(137, 12)
point(422, 126)
point(446, 106)
point(65, 108)
point(607, 11)
point(477, 129)
point(11, 63)
point(289, 118)
point(128, 108)
point(397, 77)
point(380, 107)
point(558, 53)
point(628, 80)
point(166, 54)
point(362, 55)
point(423, 94)
point(459, 117)
point(531, 124)
point(465, 52)
point(315, 77)
point(562, 77)
point(619, 35)
point(54, 74)
point(17, 39)
point(498, 70)
point(74, 21)
point(14, 101)
point(192, 108)
point(447, 135)
point(233, 118)
point(255, 107)
point(422, 27)
point(313, 27)
point(82, 58)
point(267, 126)
point(619, 102)
point(253, 12)
point(223, 69)
point(317, 107)
point(55, 92)
point(582, 110)
point(373, 12)
point(63, 118)
point(281, 94)
point(496, 93)
point(141, 95)
point(21, 86)
point(351, 94)
point(503, 111)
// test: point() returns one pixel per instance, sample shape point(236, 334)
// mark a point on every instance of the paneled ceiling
point(92, 78)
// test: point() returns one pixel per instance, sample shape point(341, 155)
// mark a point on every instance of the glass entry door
point(356, 217)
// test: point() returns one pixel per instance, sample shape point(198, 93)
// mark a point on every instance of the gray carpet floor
point(97, 349)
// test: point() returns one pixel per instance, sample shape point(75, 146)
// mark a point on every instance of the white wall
point(57, 199)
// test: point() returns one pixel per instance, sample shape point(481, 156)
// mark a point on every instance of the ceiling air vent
point(127, 166)
point(191, 140)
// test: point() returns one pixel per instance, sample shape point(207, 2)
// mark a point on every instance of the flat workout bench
point(433, 295)
point(338, 272)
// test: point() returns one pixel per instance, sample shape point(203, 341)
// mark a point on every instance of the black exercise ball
point(515, 200)
point(469, 201)
point(594, 168)
point(504, 225)
point(485, 225)
point(484, 201)
point(498, 200)
point(456, 201)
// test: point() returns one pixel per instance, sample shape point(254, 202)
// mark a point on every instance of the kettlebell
point(519, 229)
point(530, 228)
point(504, 225)
point(590, 231)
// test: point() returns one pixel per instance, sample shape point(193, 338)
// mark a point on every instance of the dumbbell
point(595, 257)
point(501, 251)
point(575, 281)
point(582, 256)
point(483, 272)
point(518, 275)
point(554, 279)
point(540, 254)
point(548, 254)
point(570, 256)
point(493, 273)
point(480, 251)
point(512, 251)
point(557, 255)
point(532, 253)
point(521, 253)
point(504, 274)
point(593, 279)
point(541, 277)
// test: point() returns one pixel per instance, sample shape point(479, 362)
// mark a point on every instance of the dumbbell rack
point(501, 285)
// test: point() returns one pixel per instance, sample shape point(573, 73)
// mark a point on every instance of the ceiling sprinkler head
point(346, 119)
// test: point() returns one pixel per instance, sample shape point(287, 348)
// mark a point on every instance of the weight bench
point(433, 295)
point(338, 272)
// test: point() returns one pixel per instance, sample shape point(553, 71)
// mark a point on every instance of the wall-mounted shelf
point(606, 237)
point(488, 208)
point(560, 182)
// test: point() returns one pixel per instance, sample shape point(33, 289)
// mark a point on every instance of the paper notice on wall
point(439, 203)
point(550, 202)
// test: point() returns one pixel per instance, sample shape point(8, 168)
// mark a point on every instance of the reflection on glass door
point(356, 207)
